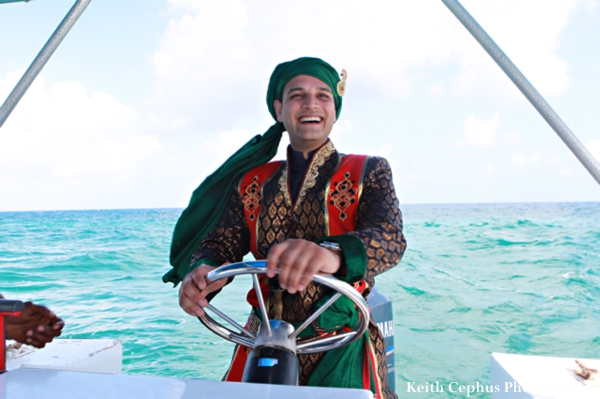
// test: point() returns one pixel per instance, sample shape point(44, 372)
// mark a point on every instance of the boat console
point(59, 384)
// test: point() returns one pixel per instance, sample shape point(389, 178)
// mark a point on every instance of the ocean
point(475, 279)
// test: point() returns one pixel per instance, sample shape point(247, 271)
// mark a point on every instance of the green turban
point(208, 200)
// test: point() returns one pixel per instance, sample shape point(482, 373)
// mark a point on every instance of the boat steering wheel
point(247, 338)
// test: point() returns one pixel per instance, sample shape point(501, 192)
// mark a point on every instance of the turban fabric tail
point(206, 205)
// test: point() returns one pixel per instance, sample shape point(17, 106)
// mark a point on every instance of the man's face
point(307, 110)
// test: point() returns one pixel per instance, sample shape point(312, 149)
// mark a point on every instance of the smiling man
point(317, 212)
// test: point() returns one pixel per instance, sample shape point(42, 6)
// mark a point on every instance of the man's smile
point(311, 119)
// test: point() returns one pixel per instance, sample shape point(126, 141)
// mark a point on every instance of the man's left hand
point(298, 261)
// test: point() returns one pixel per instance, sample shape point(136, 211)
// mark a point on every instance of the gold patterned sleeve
point(229, 240)
point(379, 222)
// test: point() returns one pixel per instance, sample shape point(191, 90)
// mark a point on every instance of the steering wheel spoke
point(316, 314)
point(234, 323)
point(261, 302)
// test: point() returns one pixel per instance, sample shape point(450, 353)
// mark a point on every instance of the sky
point(143, 99)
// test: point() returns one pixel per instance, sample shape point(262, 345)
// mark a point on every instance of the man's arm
point(378, 243)
point(228, 242)
point(36, 325)
point(379, 222)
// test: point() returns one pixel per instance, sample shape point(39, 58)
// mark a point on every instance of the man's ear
point(278, 106)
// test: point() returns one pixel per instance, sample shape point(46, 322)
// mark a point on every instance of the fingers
point(295, 264)
point(273, 256)
point(313, 266)
point(47, 331)
point(43, 334)
point(36, 343)
point(190, 292)
point(195, 288)
point(298, 261)
point(58, 326)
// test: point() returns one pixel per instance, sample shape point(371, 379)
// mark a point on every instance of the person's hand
point(35, 326)
point(195, 288)
point(298, 261)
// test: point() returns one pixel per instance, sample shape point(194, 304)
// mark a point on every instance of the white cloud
point(593, 147)
point(591, 5)
point(189, 50)
point(436, 90)
point(553, 159)
point(221, 145)
point(383, 150)
point(65, 131)
point(513, 137)
point(531, 43)
point(485, 175)
point(215, 57)
point(481, 132)
point(524, 160)
point(340, 129)
point(213, 62)
point(429, 176)
point(564, 171)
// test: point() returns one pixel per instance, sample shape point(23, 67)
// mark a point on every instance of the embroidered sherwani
point(378, 229)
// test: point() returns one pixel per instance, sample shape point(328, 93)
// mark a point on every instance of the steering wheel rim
point(246, 338)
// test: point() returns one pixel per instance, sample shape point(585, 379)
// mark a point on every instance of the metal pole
point(526, 88)
point(41, 59)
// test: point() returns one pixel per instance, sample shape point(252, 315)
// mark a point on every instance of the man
point(36, 325)
point(319, 212)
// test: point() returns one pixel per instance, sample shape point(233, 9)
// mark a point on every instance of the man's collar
point(297, 157)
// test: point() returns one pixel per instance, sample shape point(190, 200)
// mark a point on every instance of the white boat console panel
point(58, 384)
point(90, 369)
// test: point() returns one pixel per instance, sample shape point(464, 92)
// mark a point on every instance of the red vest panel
point(342, 197)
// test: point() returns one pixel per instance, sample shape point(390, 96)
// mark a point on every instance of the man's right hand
point(195, 288)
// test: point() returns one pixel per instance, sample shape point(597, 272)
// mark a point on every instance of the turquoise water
point(476, 279)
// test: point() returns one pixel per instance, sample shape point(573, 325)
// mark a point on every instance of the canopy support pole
point(44, 55)
point(534, 97)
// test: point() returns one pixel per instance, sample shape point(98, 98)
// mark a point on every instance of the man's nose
point(310, 101)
